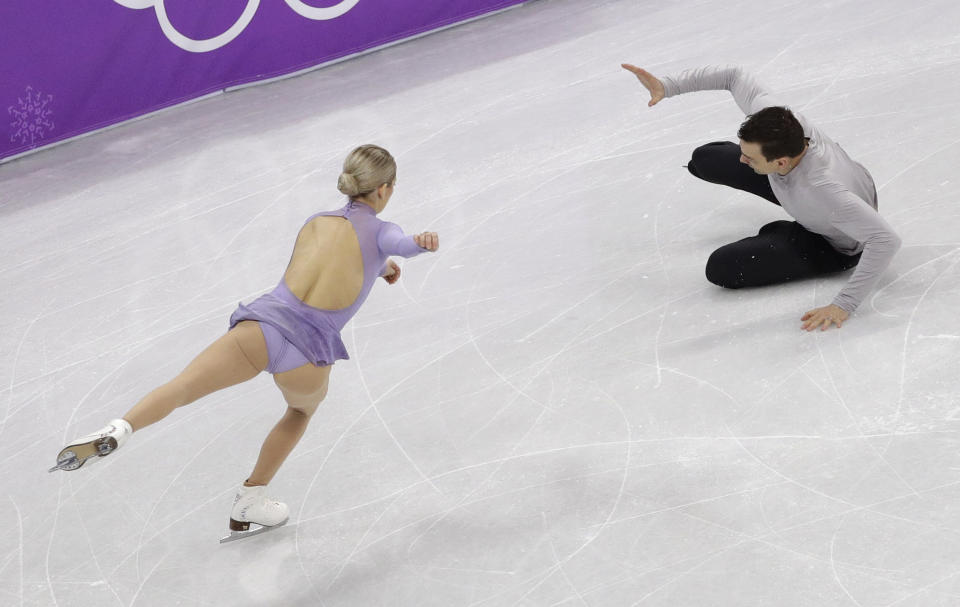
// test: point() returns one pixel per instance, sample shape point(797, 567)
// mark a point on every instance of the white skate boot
point(252, 506)
point(105, 440)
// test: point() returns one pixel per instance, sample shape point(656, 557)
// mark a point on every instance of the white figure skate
point(251, 506)
point(100, 443)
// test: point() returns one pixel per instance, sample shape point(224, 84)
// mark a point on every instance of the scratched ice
point(556, 408)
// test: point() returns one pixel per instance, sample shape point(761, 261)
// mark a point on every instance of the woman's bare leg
point(303, 388)
point(236, 357)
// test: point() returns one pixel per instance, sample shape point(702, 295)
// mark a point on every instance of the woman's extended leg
point(304, 388)
point(236, 357)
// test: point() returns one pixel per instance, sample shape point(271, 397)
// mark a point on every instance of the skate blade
point(75, 456)
point(69, 462)
point(254, 530)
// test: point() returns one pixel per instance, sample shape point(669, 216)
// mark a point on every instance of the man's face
point(751, 156)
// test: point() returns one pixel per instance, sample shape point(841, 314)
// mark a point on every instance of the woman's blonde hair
point(366, 168)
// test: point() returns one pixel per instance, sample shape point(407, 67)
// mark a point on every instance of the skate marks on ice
point(763, 468)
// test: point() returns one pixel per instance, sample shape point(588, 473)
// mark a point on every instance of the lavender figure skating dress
point(315, 332)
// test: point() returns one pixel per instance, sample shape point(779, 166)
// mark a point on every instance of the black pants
point(781, 251)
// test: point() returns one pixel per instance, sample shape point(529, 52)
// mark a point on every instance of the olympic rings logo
point(210, 44)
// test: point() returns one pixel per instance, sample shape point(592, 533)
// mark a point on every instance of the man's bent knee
point(723, 271)
point(708, 158)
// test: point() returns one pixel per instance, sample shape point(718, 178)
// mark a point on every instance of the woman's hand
point(392, 272)
point(427, 240)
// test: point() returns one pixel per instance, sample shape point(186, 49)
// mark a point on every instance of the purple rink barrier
point(68, 67)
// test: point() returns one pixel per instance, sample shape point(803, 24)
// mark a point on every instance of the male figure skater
point(785, 159)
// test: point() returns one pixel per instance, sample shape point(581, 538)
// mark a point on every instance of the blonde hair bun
point(347, 184)
point(365, 169)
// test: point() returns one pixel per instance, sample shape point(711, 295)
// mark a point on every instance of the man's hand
point(392, 273)
point(427, 240)
point(651, 82)
point(824, 316)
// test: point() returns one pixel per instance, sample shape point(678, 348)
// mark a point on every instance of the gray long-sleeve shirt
point(827, 192)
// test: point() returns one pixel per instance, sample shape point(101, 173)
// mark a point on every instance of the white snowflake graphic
point(31, 117)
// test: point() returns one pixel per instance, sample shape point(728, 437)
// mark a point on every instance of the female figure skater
point(292, 332)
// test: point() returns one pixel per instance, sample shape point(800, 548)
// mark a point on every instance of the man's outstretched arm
point(746, 90)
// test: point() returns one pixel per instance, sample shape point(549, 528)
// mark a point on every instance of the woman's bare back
point(326, 268)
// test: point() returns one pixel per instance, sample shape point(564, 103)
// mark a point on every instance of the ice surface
point(556, 408)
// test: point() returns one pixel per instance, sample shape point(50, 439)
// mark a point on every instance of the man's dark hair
point(777, 131)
